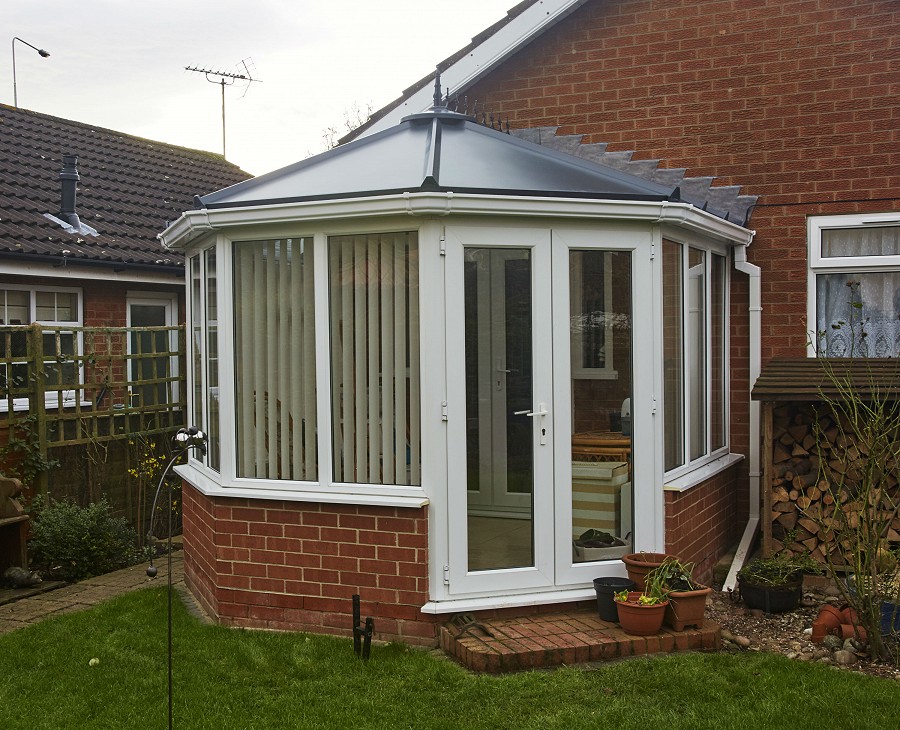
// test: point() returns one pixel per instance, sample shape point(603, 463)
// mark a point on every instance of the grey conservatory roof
point(440, 151)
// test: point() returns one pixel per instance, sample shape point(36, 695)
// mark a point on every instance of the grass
point(226, 678)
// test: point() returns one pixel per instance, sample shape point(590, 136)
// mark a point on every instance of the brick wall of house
point(701, 523)
point(296, 565)
point(796, 101)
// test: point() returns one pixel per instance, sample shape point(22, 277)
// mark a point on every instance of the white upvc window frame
point(169, 300)
point(52, 398)
point(225, 482)
point(819, 264)
point(194, 317)
point(695, 471)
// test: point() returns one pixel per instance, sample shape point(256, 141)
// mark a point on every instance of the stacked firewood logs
point(805, 492)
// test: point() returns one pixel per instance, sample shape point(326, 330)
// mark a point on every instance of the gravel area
point(789, 633)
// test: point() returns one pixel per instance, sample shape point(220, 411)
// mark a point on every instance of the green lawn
point(227, 678)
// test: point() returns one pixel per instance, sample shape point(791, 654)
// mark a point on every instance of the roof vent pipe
point(68, 178)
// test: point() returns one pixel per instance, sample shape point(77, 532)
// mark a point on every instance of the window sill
point(51, 402)
point(684, 482)
point(207, 486)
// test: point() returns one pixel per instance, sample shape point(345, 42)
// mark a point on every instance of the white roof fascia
point(104, 272)
point(492, 51)
point(200, 222)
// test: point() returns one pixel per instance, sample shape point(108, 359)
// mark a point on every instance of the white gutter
point(196, 223)
point(755, 313)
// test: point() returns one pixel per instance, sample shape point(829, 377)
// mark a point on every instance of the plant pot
point(830, 617)
point(849, 631)
point(848, 616)
point(605, 588)
point(687, 608)
point(639, 564)
point(819, 631)
point(639, 620)
point(772, 599)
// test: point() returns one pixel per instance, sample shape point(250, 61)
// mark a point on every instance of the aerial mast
point(224, 78)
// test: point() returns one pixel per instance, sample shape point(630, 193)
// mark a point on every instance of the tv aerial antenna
point(225, 78)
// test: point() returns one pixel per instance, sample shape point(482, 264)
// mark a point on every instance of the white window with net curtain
point(854, 285)
point(372, 302)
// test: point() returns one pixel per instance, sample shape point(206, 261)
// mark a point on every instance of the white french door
point(500, 452)
point(543, 365)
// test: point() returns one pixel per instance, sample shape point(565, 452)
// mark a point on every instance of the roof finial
point(437, 88)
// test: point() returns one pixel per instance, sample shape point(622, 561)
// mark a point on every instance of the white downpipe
point(755, 313)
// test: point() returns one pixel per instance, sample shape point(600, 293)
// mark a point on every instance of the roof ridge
point(4, 108)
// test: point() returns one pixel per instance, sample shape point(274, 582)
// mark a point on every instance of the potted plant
point(687, 598)
point(641, 613)
point(639, 564)
point(775, 584)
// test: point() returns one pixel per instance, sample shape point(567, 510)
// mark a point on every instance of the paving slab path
point(71, 597)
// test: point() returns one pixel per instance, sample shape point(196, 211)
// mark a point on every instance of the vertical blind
point(275, 365)
point(374, 317)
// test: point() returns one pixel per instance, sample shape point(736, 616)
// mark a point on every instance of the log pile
point(805, 492)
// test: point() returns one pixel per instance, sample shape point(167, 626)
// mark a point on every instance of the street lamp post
point(41, 52)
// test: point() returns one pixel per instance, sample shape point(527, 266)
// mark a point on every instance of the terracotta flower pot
point(849, 631)
point(849, 615)
point(640, 620)
point(687, 608)
point(819, 631)
point(639, 564)
point(830, 617)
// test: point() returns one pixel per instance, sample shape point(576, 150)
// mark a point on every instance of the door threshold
point(534, 598)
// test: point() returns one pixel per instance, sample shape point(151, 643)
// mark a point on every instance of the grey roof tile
point(129, 188)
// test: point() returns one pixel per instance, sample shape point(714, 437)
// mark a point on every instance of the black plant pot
point(605, 588)
point(772, 599)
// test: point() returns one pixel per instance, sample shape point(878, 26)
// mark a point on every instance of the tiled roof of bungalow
point(129, 189)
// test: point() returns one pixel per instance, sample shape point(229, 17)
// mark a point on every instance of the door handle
point(540, 413)
point(532, 414)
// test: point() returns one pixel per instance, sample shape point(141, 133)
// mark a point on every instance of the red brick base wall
point(703, 522)
point(295, 566)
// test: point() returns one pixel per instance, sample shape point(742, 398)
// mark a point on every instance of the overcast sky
point(120, 64)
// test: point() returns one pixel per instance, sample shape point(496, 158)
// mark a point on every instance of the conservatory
point(444, 369)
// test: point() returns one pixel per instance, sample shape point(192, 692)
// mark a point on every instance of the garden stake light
point(186, 439)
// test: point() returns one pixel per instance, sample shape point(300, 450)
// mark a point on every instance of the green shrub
point(72, 543)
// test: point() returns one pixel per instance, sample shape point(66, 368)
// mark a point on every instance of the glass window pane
point(718, 354)
point(696, 350)
point(196, 341)
point(602, 494)
point(275, 359)
point(673, 354)
point(593, 319)
point(862, 241)
point(45, 306)
point(143, 345)
point(498, 361)
point(51, 306)
point(212, 360)
point(374, 321)
point(66, 307)
point(15, 307)
point(858, 314)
